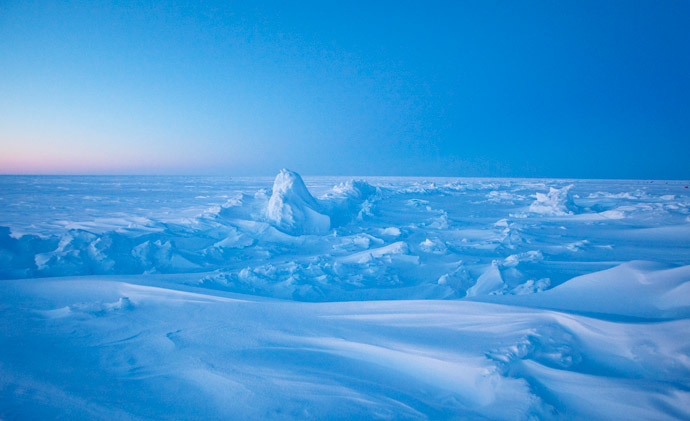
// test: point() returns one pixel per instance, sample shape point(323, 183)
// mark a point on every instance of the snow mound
point(293, 209)
point(434, 245)
point(633, 289)
point(557, 202)
point(528, 256)
point(640, 289)
point(398, 250)
point(349, 200)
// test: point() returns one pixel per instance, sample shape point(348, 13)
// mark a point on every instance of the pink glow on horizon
point(46, 164)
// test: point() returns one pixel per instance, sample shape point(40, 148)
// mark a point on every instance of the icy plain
point(340, 298)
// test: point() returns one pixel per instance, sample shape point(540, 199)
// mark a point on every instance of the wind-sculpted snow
point(447, 298)
point(143, 347)
point(451, 238)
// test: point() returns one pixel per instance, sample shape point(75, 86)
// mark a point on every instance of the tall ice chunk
point(293, 209)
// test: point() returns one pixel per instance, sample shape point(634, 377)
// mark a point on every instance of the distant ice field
point(342, 237)
point(48, 204)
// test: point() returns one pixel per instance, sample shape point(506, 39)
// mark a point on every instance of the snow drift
point(144, 348)
point(635, 289)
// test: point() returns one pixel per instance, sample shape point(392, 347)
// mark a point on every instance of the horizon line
point(344, 176)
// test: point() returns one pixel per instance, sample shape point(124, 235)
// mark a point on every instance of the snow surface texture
point(160, 298)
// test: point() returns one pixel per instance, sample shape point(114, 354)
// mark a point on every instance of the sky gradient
point(571, 89)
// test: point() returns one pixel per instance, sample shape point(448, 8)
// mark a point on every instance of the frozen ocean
point(136, 297)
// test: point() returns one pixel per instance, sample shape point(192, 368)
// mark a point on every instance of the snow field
point(381, 298)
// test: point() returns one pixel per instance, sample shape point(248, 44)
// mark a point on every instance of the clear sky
point(591, 89)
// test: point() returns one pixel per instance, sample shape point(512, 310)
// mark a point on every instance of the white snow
point(331, 297)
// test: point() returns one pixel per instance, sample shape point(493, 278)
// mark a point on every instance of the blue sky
point(585, 89)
